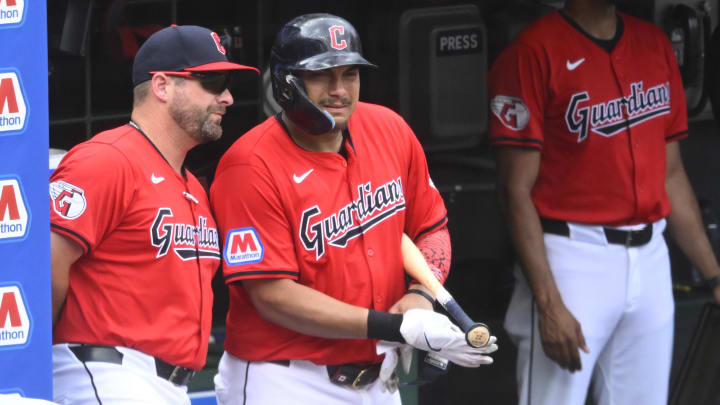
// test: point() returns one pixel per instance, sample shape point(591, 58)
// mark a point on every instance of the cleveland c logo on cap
point(219, 46)
point(334, 31)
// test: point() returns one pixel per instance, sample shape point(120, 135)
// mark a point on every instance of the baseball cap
point(182, 48)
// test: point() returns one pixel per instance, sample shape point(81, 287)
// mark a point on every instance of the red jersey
point(601, 119)
point(150, 245)
point(330, 223)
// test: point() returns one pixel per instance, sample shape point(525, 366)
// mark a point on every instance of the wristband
point(714, 282)
point(384, 326)
point(423, 293)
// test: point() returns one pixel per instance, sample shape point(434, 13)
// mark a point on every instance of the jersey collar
point(137, 128)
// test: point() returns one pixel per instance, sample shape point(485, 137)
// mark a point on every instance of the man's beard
point(197, 123)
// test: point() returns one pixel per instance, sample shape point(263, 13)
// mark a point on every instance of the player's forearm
point(685, 224)
point(517, 173)
point(527, 236)
point(305, 310)
point(437, 251)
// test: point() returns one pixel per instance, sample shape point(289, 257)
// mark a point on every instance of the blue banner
point(25, 309)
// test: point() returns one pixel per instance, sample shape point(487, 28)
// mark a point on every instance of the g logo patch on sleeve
point(68, 200)
point(243, 246)
point(511, 111)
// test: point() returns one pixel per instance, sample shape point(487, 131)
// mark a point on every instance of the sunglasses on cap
point(214, 82)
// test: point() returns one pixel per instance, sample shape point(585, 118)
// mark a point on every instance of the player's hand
point(562, 337)
point(430, 331)
point(410, 301)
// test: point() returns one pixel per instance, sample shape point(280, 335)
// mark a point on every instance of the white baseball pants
point(135, 381)
point(622, 297)
point(240, 382)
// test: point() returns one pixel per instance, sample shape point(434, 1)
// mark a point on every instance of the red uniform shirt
point(601, 119)
point(329, 223)
point(150, 244)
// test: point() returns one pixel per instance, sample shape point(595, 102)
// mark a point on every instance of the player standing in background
point(134, 245)
point(312, 204)
point(587, 107)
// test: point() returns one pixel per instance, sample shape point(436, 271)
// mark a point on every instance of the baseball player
point(134, 244)
point(312, 204)
point(587, 107)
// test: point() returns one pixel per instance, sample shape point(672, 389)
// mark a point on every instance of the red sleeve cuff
point(255, 274)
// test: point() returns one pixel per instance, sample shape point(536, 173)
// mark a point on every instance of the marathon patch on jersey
point(511, 111)
point(243, 246)
point(68, 200)
point(14, 318)
point(614, 116)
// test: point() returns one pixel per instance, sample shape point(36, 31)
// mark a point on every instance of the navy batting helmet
point(311, 42)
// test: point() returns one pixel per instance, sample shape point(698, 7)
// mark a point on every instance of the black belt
point(354, 375)
point(639, 237)
point(109, 354)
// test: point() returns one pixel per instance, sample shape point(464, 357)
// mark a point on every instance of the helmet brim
point(329, 60)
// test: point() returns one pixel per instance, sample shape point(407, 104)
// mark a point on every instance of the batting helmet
point(311, 42)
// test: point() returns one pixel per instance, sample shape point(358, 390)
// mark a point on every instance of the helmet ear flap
point(282, 92)
point(304, 111)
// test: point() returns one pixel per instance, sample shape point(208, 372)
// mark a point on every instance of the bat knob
point(478, 335)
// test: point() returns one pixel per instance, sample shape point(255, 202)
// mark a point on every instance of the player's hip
point(247, 382)
point(113, 374)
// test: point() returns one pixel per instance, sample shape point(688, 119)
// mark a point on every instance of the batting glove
point(393, 351)
point(433, 332)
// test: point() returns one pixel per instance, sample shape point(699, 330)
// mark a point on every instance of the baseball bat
point(477, 334)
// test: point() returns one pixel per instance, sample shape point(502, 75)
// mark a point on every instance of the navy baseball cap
point(182, 48)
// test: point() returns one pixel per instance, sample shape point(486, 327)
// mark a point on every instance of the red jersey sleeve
point(517, 84)
point(677, 127)
point(425, 207)
point(257, 239)
point(89, 193)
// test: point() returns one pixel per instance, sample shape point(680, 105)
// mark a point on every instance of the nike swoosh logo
point(301, 178)
point(156, 180)
point(430, 346)
point(573, 65)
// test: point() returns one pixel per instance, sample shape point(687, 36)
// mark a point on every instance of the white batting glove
point(393, 350)
point(430, 331)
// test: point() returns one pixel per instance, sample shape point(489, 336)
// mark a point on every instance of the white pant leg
point(133, 382)
point(240, 382)
point(603, 289)
point(634, 368)
point(591, 280)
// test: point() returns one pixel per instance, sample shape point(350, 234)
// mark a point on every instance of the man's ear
point(160, 86)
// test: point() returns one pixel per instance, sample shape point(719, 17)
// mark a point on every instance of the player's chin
point(341, 124)
point(210, 131)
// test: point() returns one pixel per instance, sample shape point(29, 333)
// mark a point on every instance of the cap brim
point(217, 66)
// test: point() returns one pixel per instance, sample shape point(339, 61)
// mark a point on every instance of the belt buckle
point(359, 377)
point(628, 239)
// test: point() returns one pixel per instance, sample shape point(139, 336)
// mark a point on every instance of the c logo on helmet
point(219, 46)
point(334, 31)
